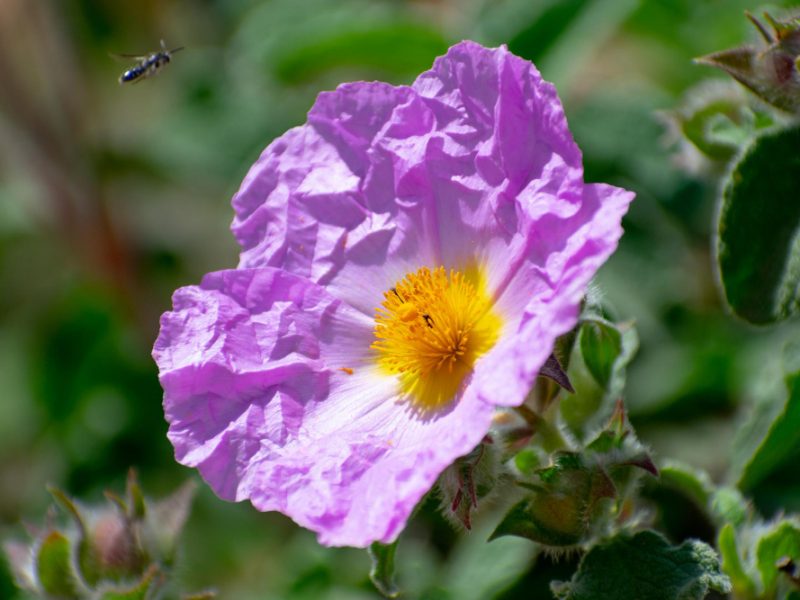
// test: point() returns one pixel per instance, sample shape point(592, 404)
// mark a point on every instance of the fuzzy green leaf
point(758, 246)
point(645, 566)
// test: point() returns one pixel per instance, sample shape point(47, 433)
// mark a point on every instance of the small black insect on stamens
point(428, 320)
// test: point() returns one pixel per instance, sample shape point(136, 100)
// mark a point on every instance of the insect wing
point(127, 57)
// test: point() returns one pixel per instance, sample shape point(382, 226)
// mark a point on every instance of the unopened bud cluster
point(122, 550)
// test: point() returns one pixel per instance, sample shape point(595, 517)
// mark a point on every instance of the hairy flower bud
point(772, 74)
point(114, 546)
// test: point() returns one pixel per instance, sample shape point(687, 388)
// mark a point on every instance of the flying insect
point(149, 64)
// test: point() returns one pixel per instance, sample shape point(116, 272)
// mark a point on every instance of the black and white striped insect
point(149, 64)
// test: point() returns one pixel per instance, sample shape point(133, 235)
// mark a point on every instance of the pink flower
point(409, 256)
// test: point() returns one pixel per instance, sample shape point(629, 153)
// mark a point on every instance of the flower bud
point(771, 74)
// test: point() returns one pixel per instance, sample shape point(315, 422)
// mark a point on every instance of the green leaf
point(54, 566)
point(758, 247)
point(645, 566)
point(382, 572)
point(769, 439)
point(732, 565)
point(782, 542)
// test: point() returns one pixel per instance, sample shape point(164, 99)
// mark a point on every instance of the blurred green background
point(113, 196)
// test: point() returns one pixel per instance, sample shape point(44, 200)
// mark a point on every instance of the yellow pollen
point(431, 328)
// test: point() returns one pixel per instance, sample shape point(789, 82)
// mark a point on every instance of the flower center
point(431, 328)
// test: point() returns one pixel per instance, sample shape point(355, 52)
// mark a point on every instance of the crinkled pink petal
point(320, 200)
point(542, 301)
point(251, 361)
point(442, 172)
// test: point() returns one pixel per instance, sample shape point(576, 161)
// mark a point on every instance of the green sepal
point(469, 480)
point(382, 571)
point(164, 521)
point(87, 562)
point(53, 566)
point(617, 446)
point(138, 591)
point(137, 507)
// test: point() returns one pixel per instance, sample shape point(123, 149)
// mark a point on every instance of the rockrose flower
point(409, 256)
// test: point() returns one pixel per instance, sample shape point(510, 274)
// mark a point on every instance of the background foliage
point(111, 197)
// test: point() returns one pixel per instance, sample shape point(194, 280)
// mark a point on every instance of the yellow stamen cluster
point(430, 330)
